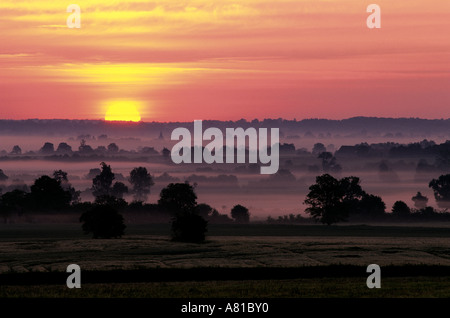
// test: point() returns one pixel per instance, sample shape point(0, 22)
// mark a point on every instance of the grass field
point(259, 260)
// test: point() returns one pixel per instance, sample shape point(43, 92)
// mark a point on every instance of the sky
point(179, 60)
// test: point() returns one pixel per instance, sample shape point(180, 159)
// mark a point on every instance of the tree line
point(332, 200)
point(103, 218)
point(329, 201)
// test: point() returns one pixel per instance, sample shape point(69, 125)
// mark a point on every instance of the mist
point(375, 157)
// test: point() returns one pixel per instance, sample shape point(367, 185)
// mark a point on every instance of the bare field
point(53, 248)
point(257, 260)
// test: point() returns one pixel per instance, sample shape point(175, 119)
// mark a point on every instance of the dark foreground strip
point(323, 307)
point(218, 273)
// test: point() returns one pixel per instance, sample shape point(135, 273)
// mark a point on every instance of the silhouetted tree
point(216, 217)
point(113, 148)
point(64, 148)
point(178, 198)
point(325, 156)
point(165, 153)
point(371, 205)
point(84, 148)
point(93, 173)
point(61, 177)
point(363, 149)
point(47, 148)
point(318, 148)
point(441, 189)
point(16, 150)
point(47, 193)
point(103, 221)
point(101, 150)
point(3, 176)
point(443, 156)
point(13, 201)
point(427, 212)
point(102, 183)
point(240, 214)
point(420, 201)
point(204, 210)
point(331, 200)
point(119, 189)
point(189, 227)
point(329, 163)
point(400, 208)
point(142, 181)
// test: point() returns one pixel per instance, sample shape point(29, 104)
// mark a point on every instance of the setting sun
point(123, 111)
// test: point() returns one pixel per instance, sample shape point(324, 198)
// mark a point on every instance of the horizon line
point(222, 120)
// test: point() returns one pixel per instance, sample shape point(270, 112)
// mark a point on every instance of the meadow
point(256, 260)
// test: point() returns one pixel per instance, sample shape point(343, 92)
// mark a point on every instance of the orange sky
point(224, 59)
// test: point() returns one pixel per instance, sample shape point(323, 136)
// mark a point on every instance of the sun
point(123, 111)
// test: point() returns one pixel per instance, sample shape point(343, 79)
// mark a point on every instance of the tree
point(93, 173)
point(103, 221)
point(119, 189)
point(3, 176)
point(420, 201)
point(331, 200)
point(441, 189)
point(180, 200)
point(165, 153)
point(400, 208)
point(101, 150)
point(189, 227)
point(113, 148)
point(13, 201)
point(64, 148)
point(329, 162)
point(102, 183)
point(240, 214)
point(142, 181)
point(47, 193)
point(47, 148)
point(85, 149)
point(318, 148)
point(204, 210)
point(61, 177)
point(427, 211)
point(371, 206)
point(16, 150)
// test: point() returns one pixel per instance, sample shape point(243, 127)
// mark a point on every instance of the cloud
point(227, 46)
